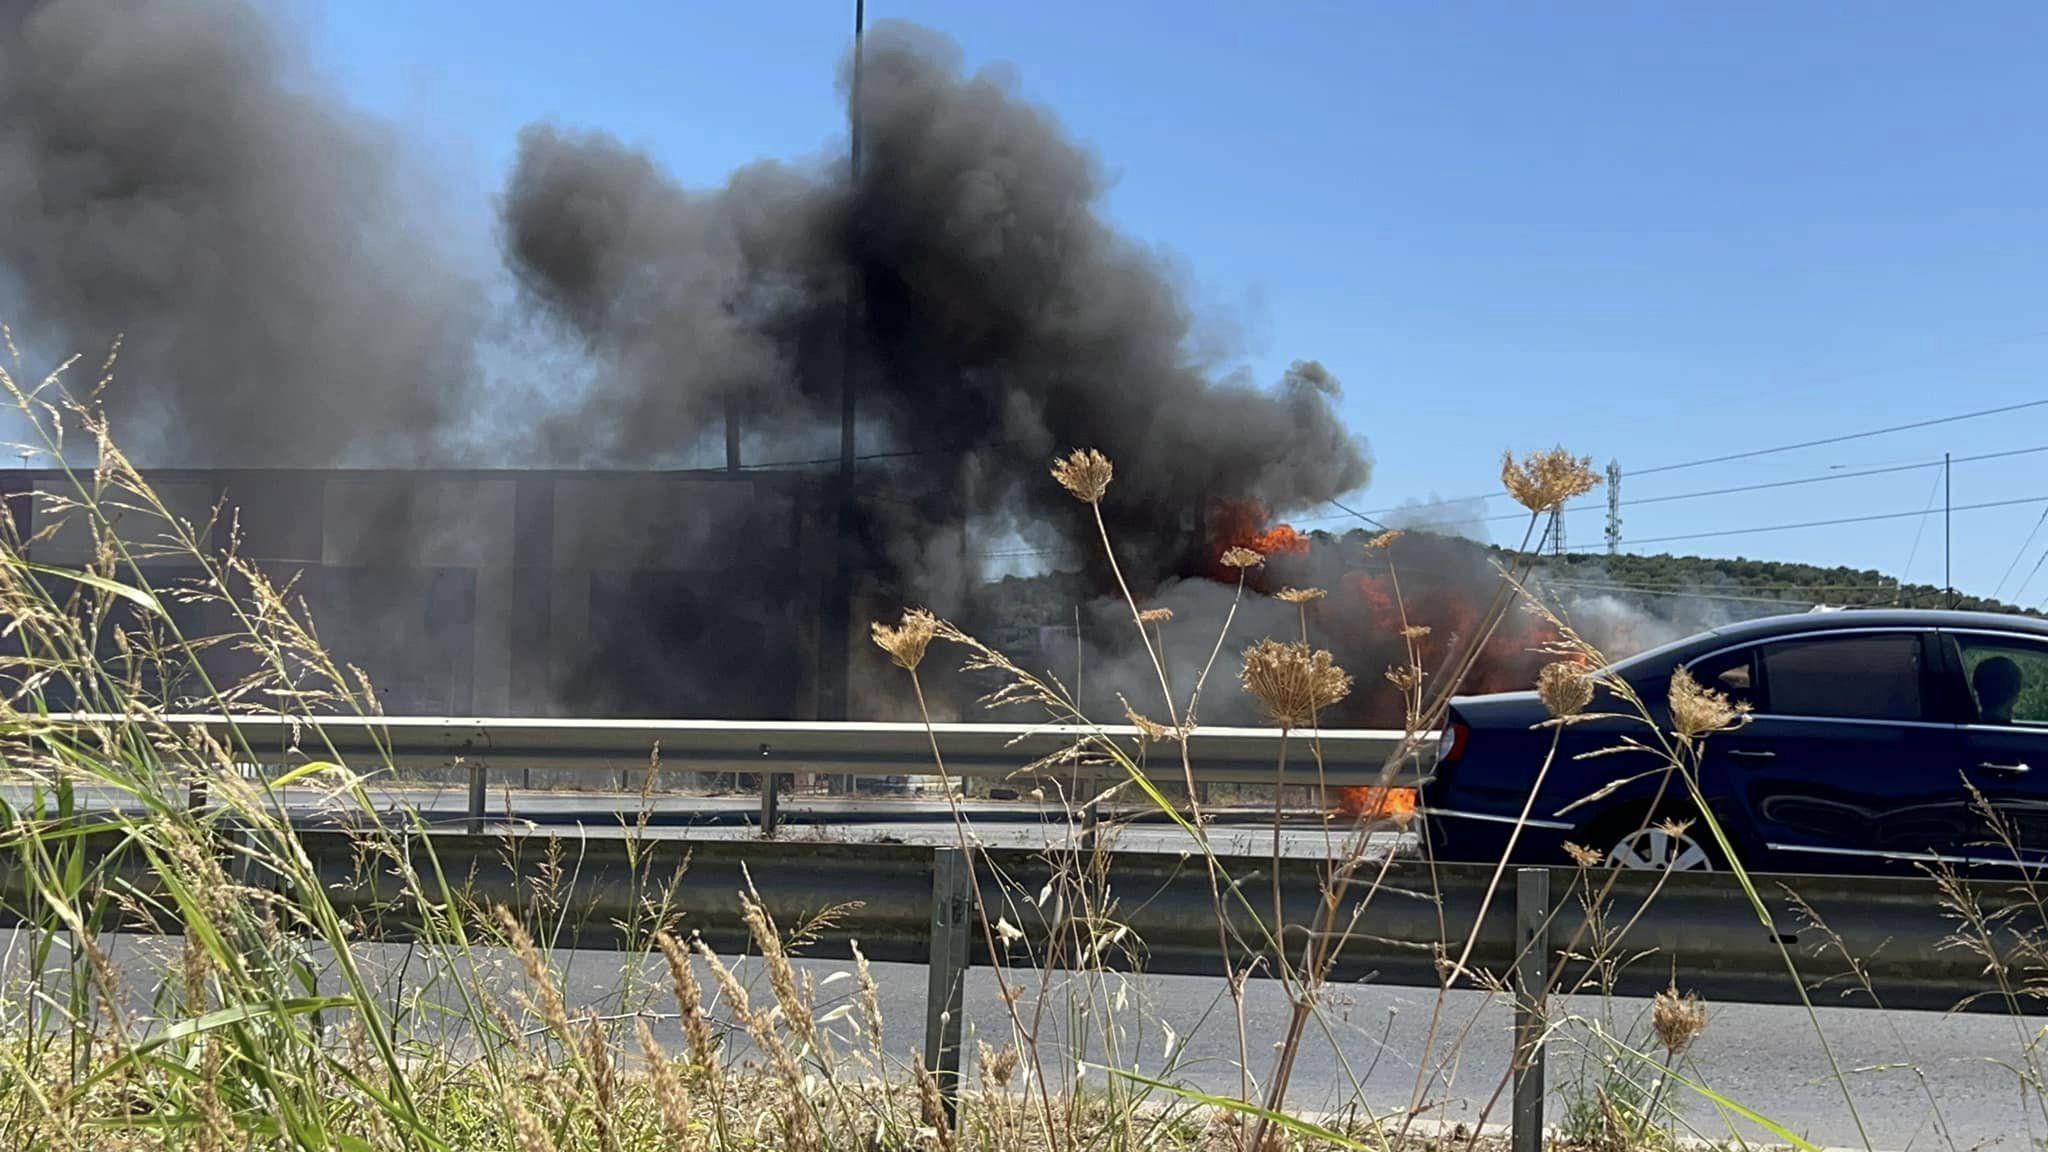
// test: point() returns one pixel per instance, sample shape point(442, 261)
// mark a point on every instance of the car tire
point(1644, 842)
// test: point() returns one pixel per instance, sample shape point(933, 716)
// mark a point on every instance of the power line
point(1597, 586)
point(2024, 545)
point(1756, 452)
point(1350, 511)
point(1842, 439)
point(1787, 587)
point(1828, 523)
point(2031, 573)
point(1921, 530)
point(1890, 469)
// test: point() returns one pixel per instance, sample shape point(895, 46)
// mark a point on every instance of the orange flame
point(1395, 805)
point(1279, 539)
point(1242, 524)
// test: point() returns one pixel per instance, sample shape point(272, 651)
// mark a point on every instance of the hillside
point(1675, 588)
point(1762, 585)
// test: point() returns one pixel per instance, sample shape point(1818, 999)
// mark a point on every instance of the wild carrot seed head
point(1293, 682)
point(1544, 480)
point(1085, 473)
point(1564, 688)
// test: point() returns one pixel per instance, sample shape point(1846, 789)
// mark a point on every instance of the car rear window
point(2019, 697)
point(1874, 677)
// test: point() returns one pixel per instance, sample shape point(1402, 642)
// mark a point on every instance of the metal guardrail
point(773, 749)
point(917, 905)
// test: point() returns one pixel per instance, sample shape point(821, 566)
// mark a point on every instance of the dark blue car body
point(1878, 741)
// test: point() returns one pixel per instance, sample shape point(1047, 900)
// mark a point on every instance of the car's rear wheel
point(1661, 846)
point(1667, 838)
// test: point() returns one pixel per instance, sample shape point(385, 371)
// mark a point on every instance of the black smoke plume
point(175, 172)
point(171, 171)
point(996, 320)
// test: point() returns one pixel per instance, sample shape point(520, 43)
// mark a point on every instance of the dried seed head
point(1581, 855)
point(1383, 539)
point(1149, 729)
point(1085, 473)
point(1698, 711)
point(1677, 1020)
point(1293, 682)
point(1564, 688)
point(932, 1111)
point(689, 1001)
point(870, 1000)
point(1674, 828)
point(905, 643)
point(796, 1009)
point(1415, 631)
point(998, 1065)
point(1155, 615)
point(540, 981)
point(1545, 480)
point(604, 1082)
point(729, 986)
point(528, 1132)
point(669, 1094)
point(1406, 677)
point(1242, 558)
point(1298, 595)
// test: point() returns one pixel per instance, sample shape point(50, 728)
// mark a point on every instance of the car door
point(1843, 764)
point(2000, 681)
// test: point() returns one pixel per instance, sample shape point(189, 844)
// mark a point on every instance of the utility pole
point(1948, 575)
point(1613, 507)
point(835, 654)
point(1557, 531)
point(846, 373)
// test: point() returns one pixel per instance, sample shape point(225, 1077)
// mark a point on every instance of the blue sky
point(1647, 232)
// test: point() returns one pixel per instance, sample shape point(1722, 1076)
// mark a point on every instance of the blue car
point(1877, 740)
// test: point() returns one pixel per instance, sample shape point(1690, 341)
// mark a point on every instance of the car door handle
point(2010, 769)
point(1752, 754)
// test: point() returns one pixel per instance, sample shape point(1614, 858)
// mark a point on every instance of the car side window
point(2007, 678)
point(1860, 677)
point(1732, 673)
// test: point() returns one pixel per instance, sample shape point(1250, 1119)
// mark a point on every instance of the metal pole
point(1532, 977)
point(837, 645)
point(476, 796)
point(1948, 577)
point(952, 912)
point(1613, 507)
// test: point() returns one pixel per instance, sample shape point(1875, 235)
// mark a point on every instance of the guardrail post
point(1532, 978)
point(475, 812)
point(952, 914)
point(771, 803)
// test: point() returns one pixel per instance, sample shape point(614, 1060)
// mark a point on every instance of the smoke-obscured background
point(176, 173)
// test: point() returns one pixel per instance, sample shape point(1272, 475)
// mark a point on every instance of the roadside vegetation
point(179, 972)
